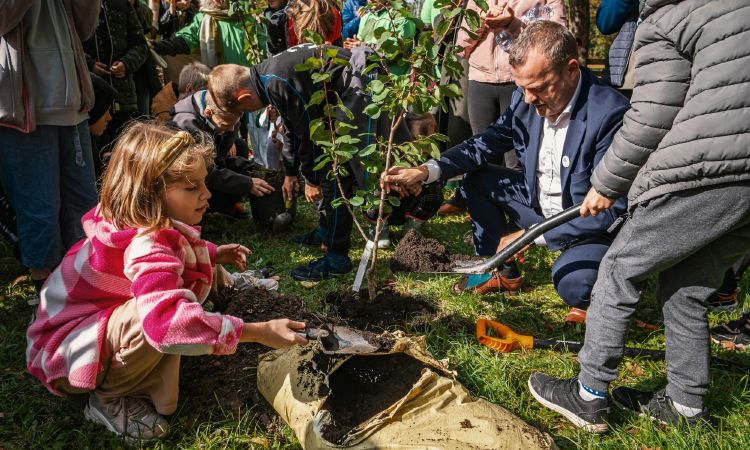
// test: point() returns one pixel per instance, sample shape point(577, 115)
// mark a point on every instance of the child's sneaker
point(719, 301)
point(250, 279)
point(561, 395)
point(132, 417)
point(313, 239)
point(657, 406)
point(737, 331)
point(322, 268)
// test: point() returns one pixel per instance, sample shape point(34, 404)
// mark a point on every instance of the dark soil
point(366, 385)
point(390, 308)
point(232, 379)
point(419, 254)
point(269, 175)
point(466, 424)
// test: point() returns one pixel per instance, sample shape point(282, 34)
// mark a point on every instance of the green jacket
point(374, 20)
point(232, 38)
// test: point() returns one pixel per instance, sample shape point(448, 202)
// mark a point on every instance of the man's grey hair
point(550, 39)
point(208, 5)
point(196, 75)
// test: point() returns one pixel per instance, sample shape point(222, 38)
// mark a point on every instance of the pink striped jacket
point(168, 272)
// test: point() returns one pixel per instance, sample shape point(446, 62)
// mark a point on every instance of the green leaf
point(440, 137)
point(312, 36)
point(370, 149)
point(303, 67)
point(450, 90)
point(321, 164)
point(319, 77)
point(473, 19)
point(482, 5)
point(376, 86)
point(370, 67)
point(443, 26)
point(343, 171)
point(341, 62)
point(331, 52)
point(394, 200)
point(357, 201)
point(372, 110)
point(346, 110)
point(417, 21)
point(337, 202)
point(387, 209)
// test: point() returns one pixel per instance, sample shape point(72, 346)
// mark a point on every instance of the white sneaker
point(249, 279)
point(135, 415)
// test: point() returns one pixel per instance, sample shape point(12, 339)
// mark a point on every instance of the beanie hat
point(104, 95)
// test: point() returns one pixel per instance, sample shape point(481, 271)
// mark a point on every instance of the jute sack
point(430, 416)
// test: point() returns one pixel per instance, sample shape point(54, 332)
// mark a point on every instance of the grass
point(32, 418)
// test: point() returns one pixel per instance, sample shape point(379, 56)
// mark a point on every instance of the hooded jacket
point(119, 37)
point(44, 79)
point(689, 125)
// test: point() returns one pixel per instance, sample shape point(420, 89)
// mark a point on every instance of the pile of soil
point(365, 386)
point(269, 175)
point(232, 379)
point(390, 308)
point(420, 254)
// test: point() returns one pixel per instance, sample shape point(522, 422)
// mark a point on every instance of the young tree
point(418, 90)
point(251, 17)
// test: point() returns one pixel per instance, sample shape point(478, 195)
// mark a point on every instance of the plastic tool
point(508, 340)
point(283, 220)
point(338, 340)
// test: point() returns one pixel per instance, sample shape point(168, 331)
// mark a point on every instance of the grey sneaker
point(135, 415)
point(253, 278)
point(561, 395)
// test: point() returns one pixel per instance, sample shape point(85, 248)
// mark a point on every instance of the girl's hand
point(277, 333)
point(350, 43)
point(233, 254)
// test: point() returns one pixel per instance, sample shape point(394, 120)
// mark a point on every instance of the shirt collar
point(571, 104)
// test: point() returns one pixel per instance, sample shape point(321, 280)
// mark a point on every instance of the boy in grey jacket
point(683, 158)
point(46, 167)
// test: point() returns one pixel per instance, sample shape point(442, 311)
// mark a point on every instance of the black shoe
point(737, 331)
point(312, 239)
point(320, 269)
point(719, 301)
point(657, 406)
point(562, 396)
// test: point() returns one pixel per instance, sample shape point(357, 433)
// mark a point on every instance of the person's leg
point(504, 95)
point(575, 270)
point(339, 221)
point(485, 108)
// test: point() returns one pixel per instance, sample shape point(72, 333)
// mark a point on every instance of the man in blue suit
point(560, 123)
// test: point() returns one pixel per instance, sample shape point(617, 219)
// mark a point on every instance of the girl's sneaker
point(253, 278)
point(132, 417)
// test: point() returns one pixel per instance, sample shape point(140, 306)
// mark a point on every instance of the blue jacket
point(611, 14)
point(349, 17)
point(596, 117)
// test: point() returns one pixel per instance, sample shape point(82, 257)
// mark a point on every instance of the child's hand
point(118, 69)
point(277, 333)
point(232, 254)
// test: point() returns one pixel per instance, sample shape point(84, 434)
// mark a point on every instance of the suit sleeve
point(583, 228)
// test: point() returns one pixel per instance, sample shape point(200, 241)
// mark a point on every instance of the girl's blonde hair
point(130, 192)
point(315, 15)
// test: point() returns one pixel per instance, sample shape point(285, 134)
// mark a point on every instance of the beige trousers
point(132, 367)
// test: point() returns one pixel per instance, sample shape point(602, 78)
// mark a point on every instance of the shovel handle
point(525, 239)
point(507, 341)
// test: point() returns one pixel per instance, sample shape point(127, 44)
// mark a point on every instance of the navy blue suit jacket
point(596, 117)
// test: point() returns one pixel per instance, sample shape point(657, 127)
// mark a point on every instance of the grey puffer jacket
point(689, 125)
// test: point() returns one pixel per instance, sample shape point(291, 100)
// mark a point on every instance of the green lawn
point(31, 418)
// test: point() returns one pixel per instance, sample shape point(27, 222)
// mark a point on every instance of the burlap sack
point(430, 416)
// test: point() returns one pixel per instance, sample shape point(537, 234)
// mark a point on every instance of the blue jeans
point(49, 178)
point(493, 192)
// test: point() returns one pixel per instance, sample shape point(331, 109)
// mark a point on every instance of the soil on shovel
point(366, 385)
point(390, 308)
point(420, 254)
point(232, 379)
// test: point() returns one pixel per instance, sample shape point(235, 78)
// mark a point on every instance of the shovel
point(525, 239)
point(283, 220)
point(338, 340)
point(509, 340)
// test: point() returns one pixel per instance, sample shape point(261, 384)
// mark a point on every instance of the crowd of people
point(116, 144)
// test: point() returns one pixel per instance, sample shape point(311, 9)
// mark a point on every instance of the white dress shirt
point(548, 181)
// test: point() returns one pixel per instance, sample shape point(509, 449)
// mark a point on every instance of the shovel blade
point(348, 341)
point(281, 222)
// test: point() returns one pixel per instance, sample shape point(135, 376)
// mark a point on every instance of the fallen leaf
point(651, 327)
point(2, 298)
point(2, 416)
point(549, 325)
point(728, 345)
point(638, 323)
point(632, 431)
point(260, 440)
point(308, 284)
point(644, 447)
point(17, 281)
point(275, 277)
point(635, 369)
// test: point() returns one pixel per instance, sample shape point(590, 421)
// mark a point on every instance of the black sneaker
point(320, 269)
point(657, 406)
point(737, 331)
point(312, 239)
point(719, 301)
point(562, 396)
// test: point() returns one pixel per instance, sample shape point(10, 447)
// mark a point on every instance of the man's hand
point(289, 188)
point(276, 143)
point(277, 333)
point(260, 188)
point(232, 151)
point(507, 240)
point(100, 69)
point(498, 16)
point(403, 176)
point(273, 114)
point(118, 69)
point(350, 43)
point(233, 254)
point(414, 189)
point(595, 203)
point(313, 193)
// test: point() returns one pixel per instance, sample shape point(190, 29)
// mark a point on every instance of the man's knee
point(574, 288)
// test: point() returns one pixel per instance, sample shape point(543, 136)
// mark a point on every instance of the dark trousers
point(487, 102)
point(221, 200)
point(495, 191)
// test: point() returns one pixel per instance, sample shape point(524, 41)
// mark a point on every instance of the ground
point(32, 418)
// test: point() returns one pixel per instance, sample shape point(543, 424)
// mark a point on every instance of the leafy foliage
point(252, 19)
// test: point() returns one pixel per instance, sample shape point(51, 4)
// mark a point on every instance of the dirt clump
point(466, 424)
point(390, 308)
point(232, 379)
point(366, 385)
point(269, 175)
point(420, 254)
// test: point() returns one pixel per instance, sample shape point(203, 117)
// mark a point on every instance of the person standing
point(46, 167)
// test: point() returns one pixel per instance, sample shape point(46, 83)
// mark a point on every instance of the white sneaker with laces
point(132, 417)
point(248, 279)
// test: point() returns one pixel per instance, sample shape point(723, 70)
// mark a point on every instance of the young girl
point(125, 302)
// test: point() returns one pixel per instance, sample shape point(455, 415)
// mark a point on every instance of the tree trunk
point(578, 22)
